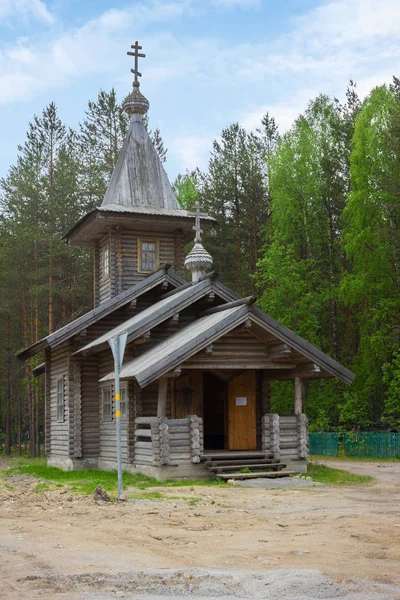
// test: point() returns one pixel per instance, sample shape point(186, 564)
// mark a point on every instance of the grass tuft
point(324, 474)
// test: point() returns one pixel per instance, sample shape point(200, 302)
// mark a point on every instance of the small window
point(107, 404)
point(124, 402)
point(148, 255)
point(105, 263)
point(60, 400)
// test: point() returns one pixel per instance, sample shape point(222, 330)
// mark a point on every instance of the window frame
point(124, 390)
point(156, 261)
point(60, 400)
point(105, 262)
point(107, 418)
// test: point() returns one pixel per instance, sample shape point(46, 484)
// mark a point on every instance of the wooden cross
point(196, 227)
point(137, 55)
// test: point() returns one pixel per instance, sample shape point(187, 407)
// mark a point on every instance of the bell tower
point(140, 225)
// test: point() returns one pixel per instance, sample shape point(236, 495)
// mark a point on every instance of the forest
point(309, 221)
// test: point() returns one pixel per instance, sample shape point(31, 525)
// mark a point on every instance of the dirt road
point(54, 545)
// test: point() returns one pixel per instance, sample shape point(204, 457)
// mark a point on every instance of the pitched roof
point(193, 338)
point(139, 179)
point(152, 316)
point(174, 350)
point(101, 311)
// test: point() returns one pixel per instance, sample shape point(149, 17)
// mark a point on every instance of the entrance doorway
point(229, 412)
point(215, 395)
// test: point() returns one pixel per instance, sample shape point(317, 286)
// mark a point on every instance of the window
point(124, 402)
point(148, 255)
point(107, 403)
point(60, 400)
point(105, 263)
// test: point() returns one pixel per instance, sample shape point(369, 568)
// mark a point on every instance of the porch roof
point(193, 338)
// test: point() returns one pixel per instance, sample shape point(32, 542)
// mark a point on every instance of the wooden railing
point(162, 441)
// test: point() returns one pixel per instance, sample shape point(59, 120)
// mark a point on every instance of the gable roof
point(193, 338)
point(168, 354)
point(154, 315)
point(65, 333)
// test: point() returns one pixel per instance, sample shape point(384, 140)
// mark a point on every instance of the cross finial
point(196, 227)
point(137, 55)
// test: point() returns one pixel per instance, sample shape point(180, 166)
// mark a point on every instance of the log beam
point(162, 397)
point(298, 395)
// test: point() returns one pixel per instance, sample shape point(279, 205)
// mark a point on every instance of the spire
point(139, 178)
point(136, 103)
point(198, 261)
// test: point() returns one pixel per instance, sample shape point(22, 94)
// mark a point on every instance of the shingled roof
point(174, 351)
point(101, 311)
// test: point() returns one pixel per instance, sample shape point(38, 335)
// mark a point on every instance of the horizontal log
point(144, 445)
point(146, 420)
point(178, 428)
point(179, 436)
point(178, 455)
point(172, 422)
point(144, 451)
point(143, 433)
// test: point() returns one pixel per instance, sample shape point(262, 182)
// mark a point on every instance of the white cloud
point(236, 3)
point(192, 151)
point(34, 8)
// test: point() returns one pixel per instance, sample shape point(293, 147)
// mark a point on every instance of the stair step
point(243, 463)
point(230, 455)
point(263, 475)
point(222, 468)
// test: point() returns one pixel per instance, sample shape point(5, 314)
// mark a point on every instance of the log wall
point(60, 431)
point(162, 441)
point(124, 269)
point(285, 437)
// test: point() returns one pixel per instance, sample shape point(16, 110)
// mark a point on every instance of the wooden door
point(242, 412)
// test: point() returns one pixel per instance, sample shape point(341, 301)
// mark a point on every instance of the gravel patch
point(203, 584)
point(284, 483)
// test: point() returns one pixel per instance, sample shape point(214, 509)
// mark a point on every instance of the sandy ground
point(319, 542)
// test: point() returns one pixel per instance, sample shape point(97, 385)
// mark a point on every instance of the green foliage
point(391, 378)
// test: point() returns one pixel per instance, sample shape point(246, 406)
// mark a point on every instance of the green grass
point(343, 457)
point(324, 474)
point(41, 487)
point(84, 482)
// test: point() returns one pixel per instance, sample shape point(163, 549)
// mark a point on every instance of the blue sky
point(208, 63)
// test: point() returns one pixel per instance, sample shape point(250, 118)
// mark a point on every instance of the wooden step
point(231, 455)
point(261, 475)
point(222, 468)
point(243, 463)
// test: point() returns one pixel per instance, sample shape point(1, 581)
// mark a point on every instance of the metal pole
point(117, 344)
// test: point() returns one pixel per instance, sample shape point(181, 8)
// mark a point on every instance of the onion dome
point(136, 103)
point(198, 261)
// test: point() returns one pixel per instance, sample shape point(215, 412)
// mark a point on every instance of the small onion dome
point(198, 259)
point(136, 103)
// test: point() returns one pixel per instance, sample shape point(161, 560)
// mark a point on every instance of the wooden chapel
point(199, 358)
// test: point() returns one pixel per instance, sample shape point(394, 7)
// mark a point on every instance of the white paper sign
point(241, 401)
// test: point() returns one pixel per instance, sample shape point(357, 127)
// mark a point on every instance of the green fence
point(373, 445)
point(326, 444)
point(380, 445)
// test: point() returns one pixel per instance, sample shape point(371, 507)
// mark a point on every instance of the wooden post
point(162, 397)
point(298, 395)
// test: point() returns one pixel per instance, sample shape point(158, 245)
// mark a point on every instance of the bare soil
point(56, 545)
